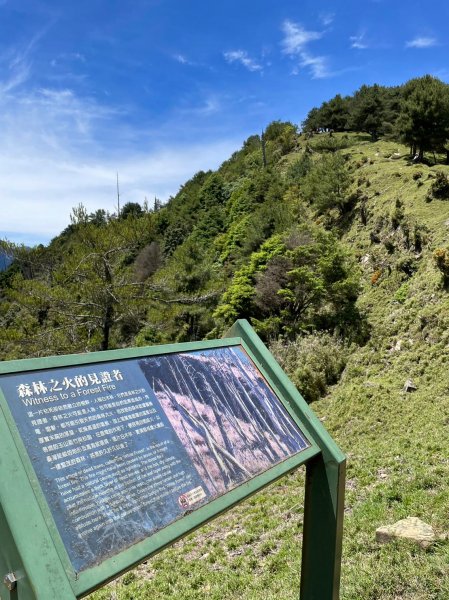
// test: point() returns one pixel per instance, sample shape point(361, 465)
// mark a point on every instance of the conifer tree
point(423, 122)
point(368, 110)
point(83, 299)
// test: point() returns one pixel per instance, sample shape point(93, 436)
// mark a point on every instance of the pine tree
point(368, 110)
point(326, 184)
point(84, 297)
point(423, 122)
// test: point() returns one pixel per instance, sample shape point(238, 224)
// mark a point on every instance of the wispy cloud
point(183, 60)
point(296, 37)
point(210, 105)
point(58, 149)
point(318, 65)
point(294, 44)
point(242, 57)
point(15, 63)
point(15, 67)
point(327, 18)
point(77, 56)
point(14, 77)
point(359, 42)
point(68, 57)
point(422, 42)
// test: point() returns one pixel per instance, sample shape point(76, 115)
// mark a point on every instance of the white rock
point(409, 386)
point(411, 528)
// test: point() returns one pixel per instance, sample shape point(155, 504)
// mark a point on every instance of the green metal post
point(9, 560)
point(323, 529)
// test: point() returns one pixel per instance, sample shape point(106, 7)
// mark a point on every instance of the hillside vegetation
point(334, 243)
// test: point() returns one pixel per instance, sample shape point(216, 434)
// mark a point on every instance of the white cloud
point(16, 76)
point(57, 150)
point(422, 42)
point(181, 59)
point(359, 42)
point(318, 65)
point(15, 63)
point(241, 56)
point(15, 69)
point(68, 57)
point(327, 19)
point(296, 37)
point(77, 56)
point(209, 105)
point(295, 42)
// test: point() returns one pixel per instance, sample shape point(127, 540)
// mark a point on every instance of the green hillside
point(397, 442)
point(335, 245)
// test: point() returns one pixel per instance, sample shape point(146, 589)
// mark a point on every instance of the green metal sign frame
point(31, 549)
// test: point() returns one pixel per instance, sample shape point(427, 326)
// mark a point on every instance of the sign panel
point(123, 448)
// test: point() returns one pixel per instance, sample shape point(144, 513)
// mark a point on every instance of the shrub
point(295, 282)
point(397, 215)
point(326, 185)
point(299, 168)
point(440, 186)
point(441, 258)
point(313, 362)
point(327, 143)
point(401, 294)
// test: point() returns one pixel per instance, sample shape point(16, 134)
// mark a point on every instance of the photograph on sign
point(122, 449)
point(227, 417)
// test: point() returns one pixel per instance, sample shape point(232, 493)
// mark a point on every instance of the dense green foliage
point(260, 238)
point(236, 243)
point(416, 113)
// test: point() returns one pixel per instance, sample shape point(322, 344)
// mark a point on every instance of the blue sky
point(159, 89)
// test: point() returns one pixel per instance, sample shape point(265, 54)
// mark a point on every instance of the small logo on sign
point(190, 498)
point(183, 502)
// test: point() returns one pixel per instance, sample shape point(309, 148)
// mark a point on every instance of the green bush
point(440, 186)
point(327, 143)
point(313, 362)
point(441, 258)
point(402, 293)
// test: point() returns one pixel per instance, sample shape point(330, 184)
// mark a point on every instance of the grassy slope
point(397, 443)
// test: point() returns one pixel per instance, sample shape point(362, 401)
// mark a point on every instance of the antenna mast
point(118, 198)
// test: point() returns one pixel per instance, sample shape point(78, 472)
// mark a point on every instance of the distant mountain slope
point(5, 260)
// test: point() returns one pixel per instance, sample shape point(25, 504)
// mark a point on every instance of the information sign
point(124, 448)
point(121, 447)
